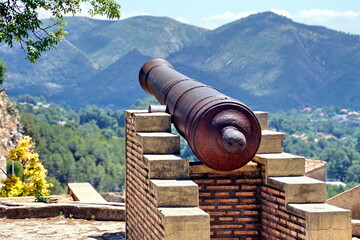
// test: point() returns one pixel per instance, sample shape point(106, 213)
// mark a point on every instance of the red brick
point(207, 207)
point(248, 200)
point(251, 226)
point(227, 226)
point(226, 200)
point(283, 214)
point(242, 233)
point(245, 219)
point(233, 213)
point(226, 219)
point(223, 181)
point(251, 212)
point(223, 207)
point(204, 194)
point(249, 187)
point(222, 194)
point(222, 187)
point(223, 233)
point(245, 194)
point(243, 206)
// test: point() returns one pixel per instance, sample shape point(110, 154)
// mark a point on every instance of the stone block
point(167, 166)
point(159, 142)
point(85, 193)
point(175, 193)
point(300, 189)
point(323, 221)
point(152, 122)
point(271, 142)
point(185, 223)
point(263, 119)
point(355, 225)
point(348, 200)
point(281, 164)
point(315, 169)
point(200, 168)
point(130, 113)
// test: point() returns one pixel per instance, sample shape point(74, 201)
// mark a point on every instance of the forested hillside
point(265, 60)
point(86, 145)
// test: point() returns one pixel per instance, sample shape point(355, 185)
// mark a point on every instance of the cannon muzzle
point(222, 132)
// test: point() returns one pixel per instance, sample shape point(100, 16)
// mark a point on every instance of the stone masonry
point(161, 201)
point(269, 198)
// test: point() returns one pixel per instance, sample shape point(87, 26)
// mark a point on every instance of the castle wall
point(269, 198)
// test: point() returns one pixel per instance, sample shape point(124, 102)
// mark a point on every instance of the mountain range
point(267, 61)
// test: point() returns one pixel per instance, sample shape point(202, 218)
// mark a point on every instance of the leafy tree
point(32, 182)
point(19, 22)
point(353, 173)
point(3, 69)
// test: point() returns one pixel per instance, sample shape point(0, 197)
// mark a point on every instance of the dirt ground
point(60, 228)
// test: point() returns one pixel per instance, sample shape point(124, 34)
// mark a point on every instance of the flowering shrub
point(33, 182)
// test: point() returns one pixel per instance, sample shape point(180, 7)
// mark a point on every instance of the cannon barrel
point(222, 132)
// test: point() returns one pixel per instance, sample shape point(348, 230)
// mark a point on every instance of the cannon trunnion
point(222, 132)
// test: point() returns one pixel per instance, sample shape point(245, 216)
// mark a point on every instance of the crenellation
point(269, 198)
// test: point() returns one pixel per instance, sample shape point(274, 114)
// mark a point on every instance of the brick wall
point(276, 221)
point(231, 199)
point(269, 198)
point(143, 220)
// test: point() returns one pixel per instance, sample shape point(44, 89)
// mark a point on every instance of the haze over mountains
point(265, 60)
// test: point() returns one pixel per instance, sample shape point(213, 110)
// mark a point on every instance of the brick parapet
point(276, 221)
point(262, 200)
point(143, 219)
point(232, 201)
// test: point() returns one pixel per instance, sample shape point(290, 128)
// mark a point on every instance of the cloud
point(217, 20)
point(133, 14)
point(346, 21)
point(229, 16)
point(328, 13)
point(183, 20)
point(281, 12)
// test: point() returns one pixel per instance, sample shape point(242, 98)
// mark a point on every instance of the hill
point(265, 60)
point(277, 63)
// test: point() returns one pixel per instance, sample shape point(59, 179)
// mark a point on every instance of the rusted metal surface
point(222, 132)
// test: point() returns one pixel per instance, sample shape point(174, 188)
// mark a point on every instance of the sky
point(342, 15)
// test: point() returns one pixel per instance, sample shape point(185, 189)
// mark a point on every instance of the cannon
point(223, 133)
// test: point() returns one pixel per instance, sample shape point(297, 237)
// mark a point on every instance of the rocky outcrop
point(10, 129)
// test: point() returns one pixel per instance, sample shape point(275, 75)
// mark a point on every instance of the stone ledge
point(74, 210)
point(175, 193)
point(185, 223)
point(323, 221)
point(159, 142)
point(200, 168)
point(300, 189)
point(281, 164)
point(152, 122)
point(130, 113)
point(355, 224)
point(85, 193)
point(167, 166)
point(271, 142)
point(263, 119)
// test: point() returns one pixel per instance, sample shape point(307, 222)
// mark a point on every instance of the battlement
point(269, 198)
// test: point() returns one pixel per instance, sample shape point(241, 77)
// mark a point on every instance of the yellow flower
point(34, 178)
